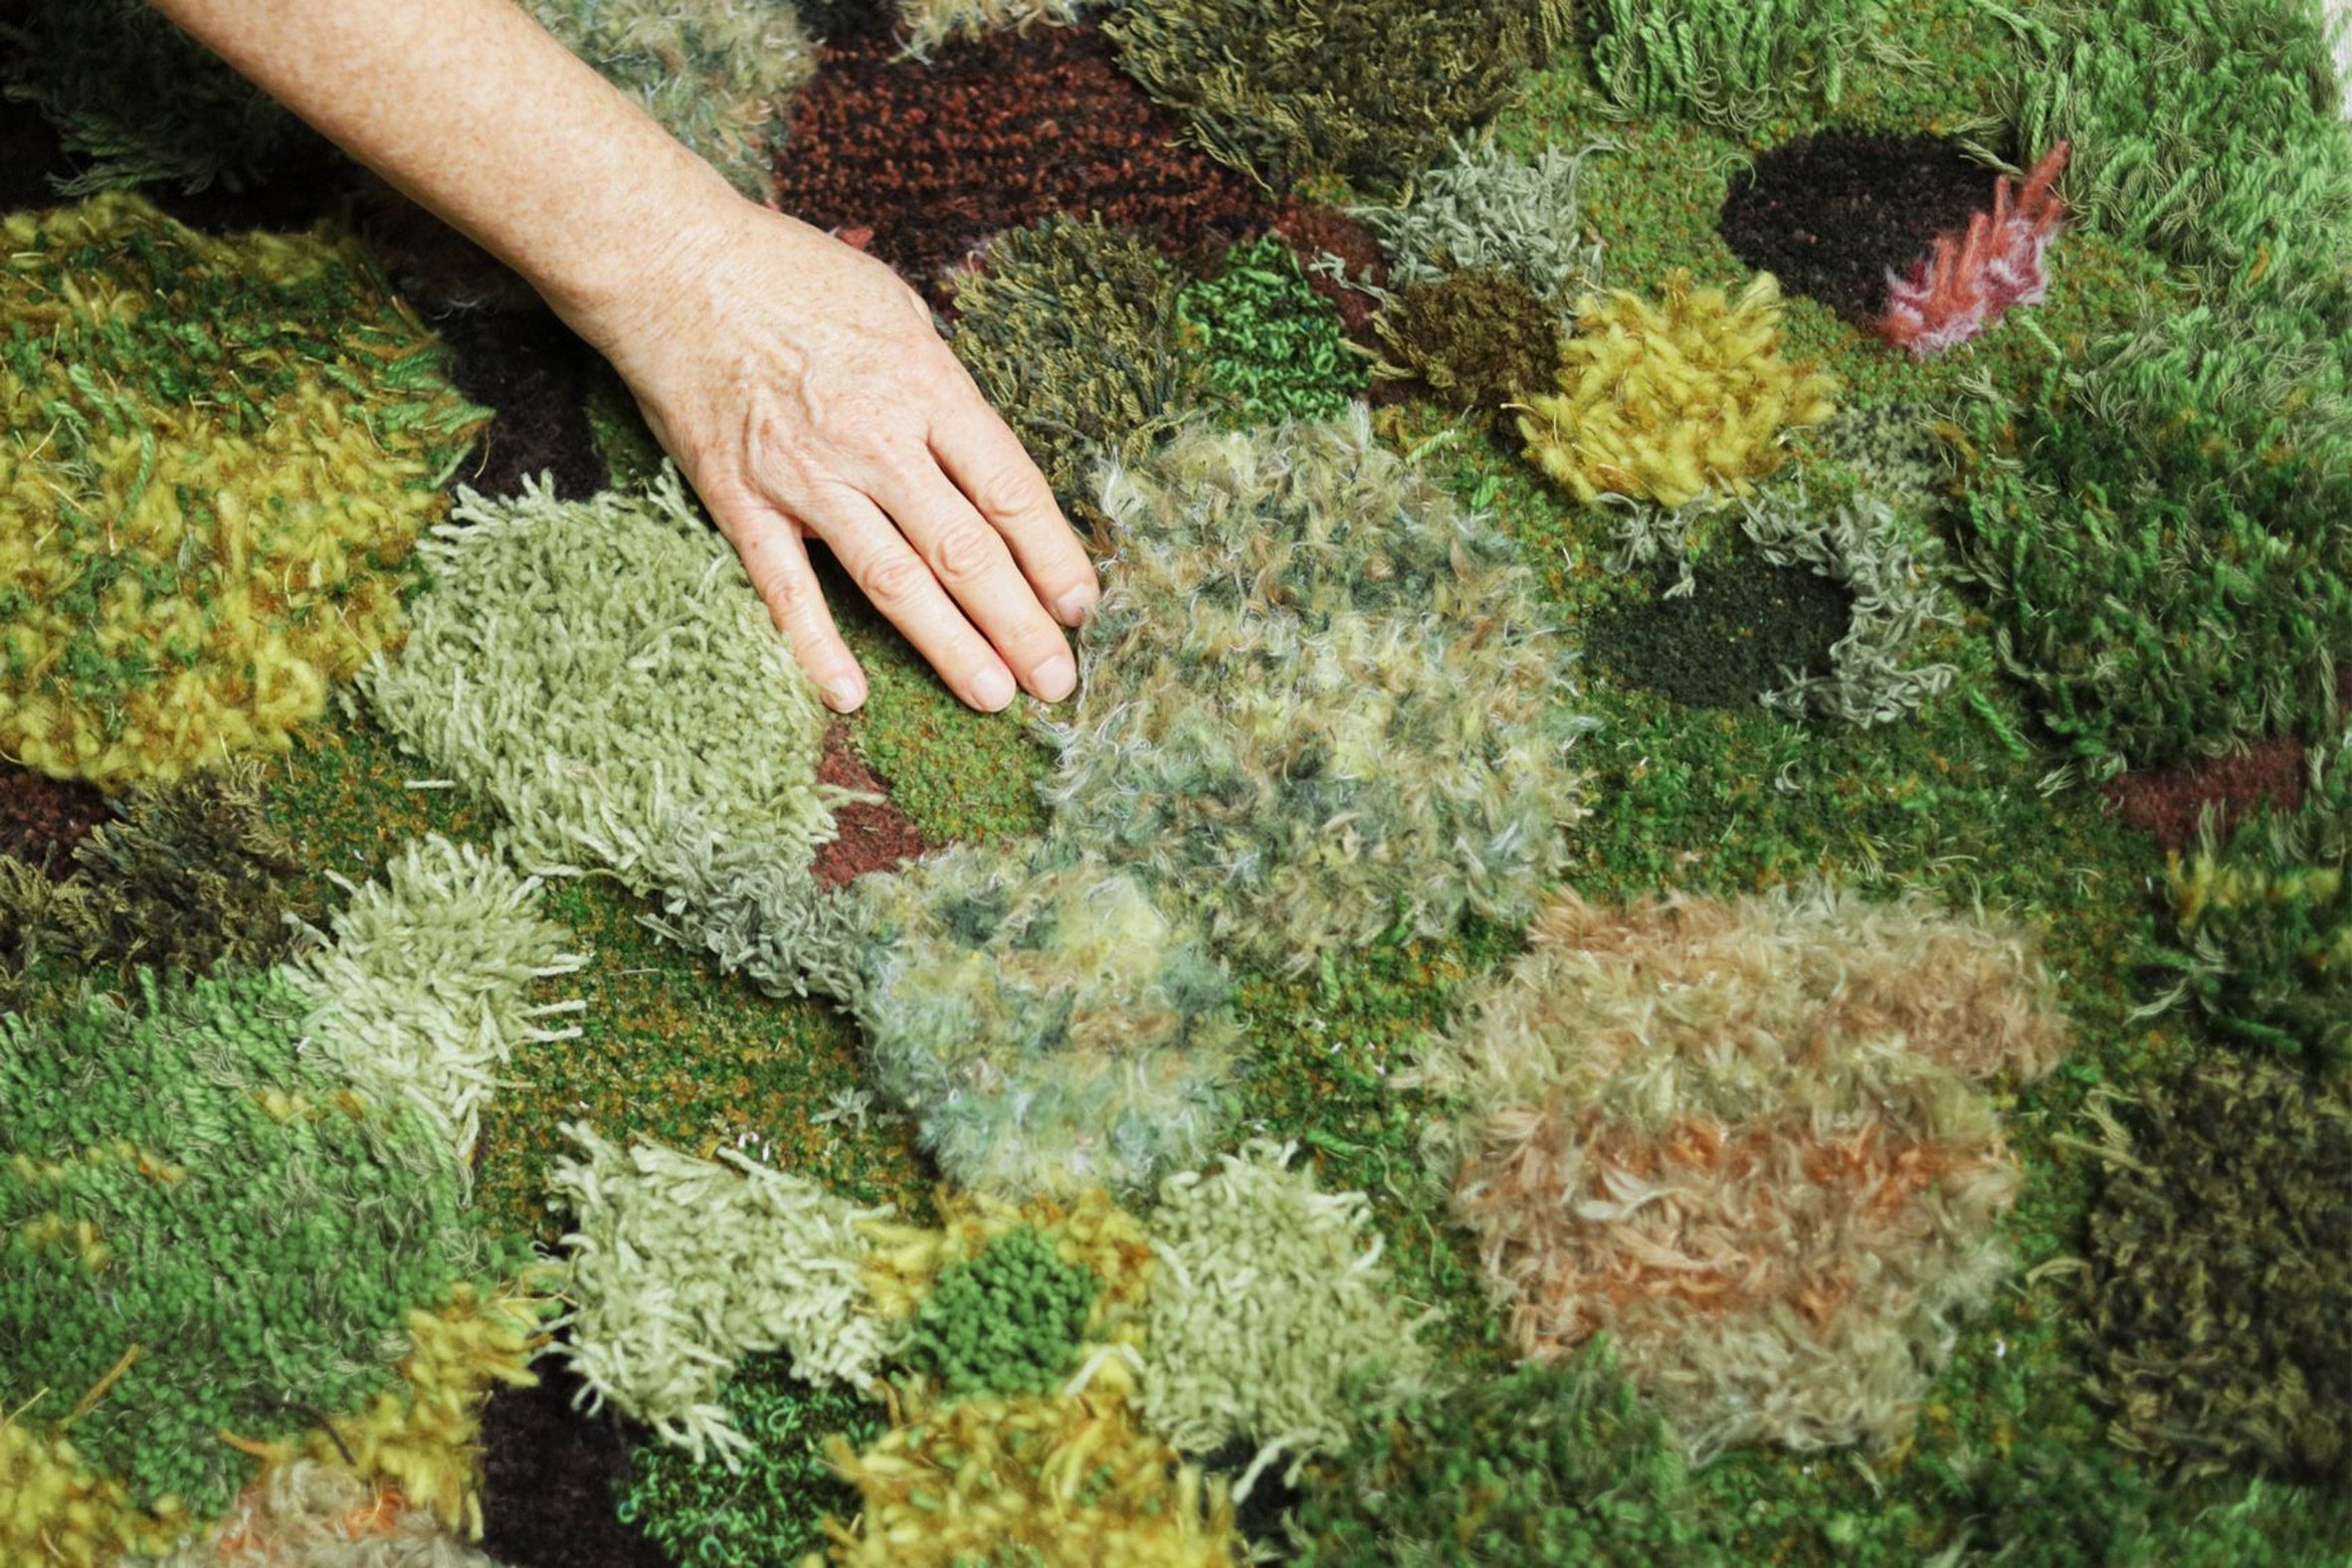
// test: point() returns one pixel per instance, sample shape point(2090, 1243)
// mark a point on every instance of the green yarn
point(431, 982)
point(140, 100)
point(2260, 936)
point(1292, 88)
point(624, 731)
point(1007, 1322)
point(762, 1504)
point(681, 1266)
point(183, 1179)
point(2220, 1259)
point(189, 874)
point(2164, 529)
point(1476, 340)
point(2213, 134)
point(1318, 703)
point(1265, 342)
point(1486, 210)
point(1070, 330)
point(1731, 62)
point(1562, 1463)
point(1271, 1322)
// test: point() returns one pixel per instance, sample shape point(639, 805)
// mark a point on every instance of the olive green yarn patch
point(218, 454)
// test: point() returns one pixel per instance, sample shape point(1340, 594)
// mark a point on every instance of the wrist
point(642, 253)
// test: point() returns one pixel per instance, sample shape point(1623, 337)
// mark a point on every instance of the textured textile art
point(1695, 908)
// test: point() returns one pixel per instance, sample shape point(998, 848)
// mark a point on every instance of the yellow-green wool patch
point(214, 454)
point(1668, 402)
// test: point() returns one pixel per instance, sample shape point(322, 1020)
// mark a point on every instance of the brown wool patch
point(1311, 231)
point(995, 133)
point(870, 835)
point(2167, 803)
point(42, 819)
point(529, 369)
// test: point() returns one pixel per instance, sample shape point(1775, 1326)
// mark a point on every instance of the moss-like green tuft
point(1007, 1322)
point(1486, 210)
point(2164, 529)
point(227, 448)
point(1477, 341)
point(204, 1230)
point(1266, 343)
point(1049, 1020)
point(1069, 329)
point(189, 874)
point(1731, 62)
point(1271, 1322)
point(2222, 1255)
point(623, 731)
point(1554, 1463)
point(1292, 88)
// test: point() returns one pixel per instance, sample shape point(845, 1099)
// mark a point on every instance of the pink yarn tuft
point(1959, 289)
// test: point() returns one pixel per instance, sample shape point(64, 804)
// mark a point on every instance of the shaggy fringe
point(425, 988)
point(1317, 702)
point(1048, 1021)
point(598, 720)
point(1484, 207)
point(1272, 1319)
point(924, 25)
point(1742, 1140)
point(681, 1266)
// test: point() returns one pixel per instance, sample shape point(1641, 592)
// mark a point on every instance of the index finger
point(985, 459)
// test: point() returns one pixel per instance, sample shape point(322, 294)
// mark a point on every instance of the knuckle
point(1006, 492)
point(966, 553)
point(895, 577)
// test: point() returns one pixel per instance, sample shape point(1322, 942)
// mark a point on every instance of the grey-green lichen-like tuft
point(681, 1266)
point(1318, 703)
point(431, 982)
point(1049, 1021)
point(1486, 208)
point(605, 673)
point(1272, 1319)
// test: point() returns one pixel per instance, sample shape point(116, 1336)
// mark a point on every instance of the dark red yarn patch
point(1311, 232)
point(870, 835)
point(2167, 802)
point(993, 134)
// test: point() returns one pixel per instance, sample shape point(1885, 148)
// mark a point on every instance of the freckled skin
point(799, 384)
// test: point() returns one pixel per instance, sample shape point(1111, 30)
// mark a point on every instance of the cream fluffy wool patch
point(1745, 1141)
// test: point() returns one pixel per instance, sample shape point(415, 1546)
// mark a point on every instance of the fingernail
point(1055, 679)
point(1075, 606)
point(992, 689)
point(843, 693)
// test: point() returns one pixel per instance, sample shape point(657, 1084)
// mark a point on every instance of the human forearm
point(477, 114)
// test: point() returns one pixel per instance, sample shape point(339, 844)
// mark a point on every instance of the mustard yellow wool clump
point(215, 454)
point(55, 1511)
point(1029, 1478)
point(1666, 402)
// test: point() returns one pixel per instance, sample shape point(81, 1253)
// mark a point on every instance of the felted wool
point(616, 731)
point(1010, 1321)
point(1317, 701)
point(1744, 1140)
point(244, 440)
point(1292, 88)
point(681, 1266)
point(1271, 1320)
point(1070, 330)
point(431, 983)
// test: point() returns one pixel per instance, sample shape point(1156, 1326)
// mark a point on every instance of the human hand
point(802, 389)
